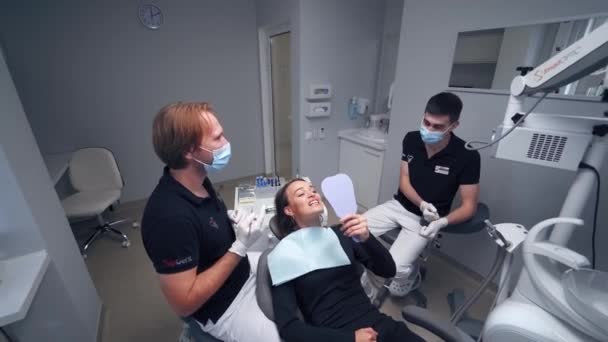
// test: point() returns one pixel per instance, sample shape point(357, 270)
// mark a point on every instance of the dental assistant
point(197, 248)
point(435, 165)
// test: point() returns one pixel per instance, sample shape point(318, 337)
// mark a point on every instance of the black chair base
point(106, 228)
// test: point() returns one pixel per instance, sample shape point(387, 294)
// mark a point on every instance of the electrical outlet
point(322, 133)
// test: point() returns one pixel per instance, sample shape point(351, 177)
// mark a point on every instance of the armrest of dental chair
point(440, 327)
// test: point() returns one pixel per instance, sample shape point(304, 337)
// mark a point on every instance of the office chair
point(94, 175)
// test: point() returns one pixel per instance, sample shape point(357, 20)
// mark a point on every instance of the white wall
point(89, 74)
point(18, 233)
point(66, 306)
point(274, 12)
point(514, 192)
point(388, 52)
point(339, 43)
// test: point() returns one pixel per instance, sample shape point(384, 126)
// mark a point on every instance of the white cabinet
point(364, 166)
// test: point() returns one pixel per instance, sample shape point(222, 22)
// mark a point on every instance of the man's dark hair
point(445, 104)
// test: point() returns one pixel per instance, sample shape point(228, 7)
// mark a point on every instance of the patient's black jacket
point(333, 302)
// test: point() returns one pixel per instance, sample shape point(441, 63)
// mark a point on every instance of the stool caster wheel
point(84, 256)
point(135, 225)
point(126, 244)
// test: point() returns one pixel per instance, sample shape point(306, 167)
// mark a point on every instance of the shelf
point(20, 278)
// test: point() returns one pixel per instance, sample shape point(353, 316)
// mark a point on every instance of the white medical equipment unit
point(557, 297)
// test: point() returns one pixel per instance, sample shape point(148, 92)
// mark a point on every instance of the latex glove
point(431, 230)
point(429, 212)
point(247, 228)
point(236, 216)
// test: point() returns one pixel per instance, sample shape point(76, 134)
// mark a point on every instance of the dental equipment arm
point(576, 61)
point(573, 63)
point(583, 57)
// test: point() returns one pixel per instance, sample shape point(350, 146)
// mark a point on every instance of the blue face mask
point(430, 137)
point(221, 157)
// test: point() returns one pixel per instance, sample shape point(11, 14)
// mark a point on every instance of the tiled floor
point(137, 311)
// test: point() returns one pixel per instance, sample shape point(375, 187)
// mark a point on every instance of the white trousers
point(244, 320)
point(409, 244)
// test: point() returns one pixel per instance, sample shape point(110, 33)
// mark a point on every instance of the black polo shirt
point(437, 179)
point(181, 231)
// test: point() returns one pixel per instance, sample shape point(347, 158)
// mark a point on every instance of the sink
point(373, 135)
point(372, 138)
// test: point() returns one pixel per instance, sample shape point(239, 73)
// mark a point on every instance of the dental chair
point(413, 314)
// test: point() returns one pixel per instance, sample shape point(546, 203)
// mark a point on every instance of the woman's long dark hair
point(285, 223)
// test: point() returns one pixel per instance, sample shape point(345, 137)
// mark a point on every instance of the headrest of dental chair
point(274, 227)
point(263, 286)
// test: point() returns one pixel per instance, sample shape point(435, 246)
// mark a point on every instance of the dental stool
point(455, 297)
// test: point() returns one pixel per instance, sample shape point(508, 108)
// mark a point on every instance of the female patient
point(332, 301)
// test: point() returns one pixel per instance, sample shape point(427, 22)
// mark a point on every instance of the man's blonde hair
point(178, 128)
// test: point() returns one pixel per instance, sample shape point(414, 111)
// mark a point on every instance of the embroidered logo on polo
point(212, 223)
point(410, 158)
point(444, 170)
point(177, 262)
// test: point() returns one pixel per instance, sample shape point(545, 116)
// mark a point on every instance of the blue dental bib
point(303, 251)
